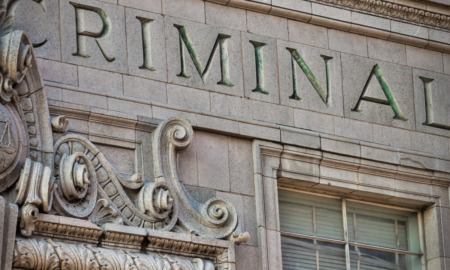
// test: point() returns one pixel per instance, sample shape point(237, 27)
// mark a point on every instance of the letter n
point(221, 44)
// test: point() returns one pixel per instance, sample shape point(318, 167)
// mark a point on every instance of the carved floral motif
point(46, 254)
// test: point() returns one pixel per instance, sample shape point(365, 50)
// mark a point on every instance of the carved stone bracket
point(72, 178)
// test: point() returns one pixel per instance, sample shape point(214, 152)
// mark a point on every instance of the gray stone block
point(133, 107)
point(225, 70)
point(308, 97)
point(149, 90)
point(409, 29)
point(308, 34)
point(41, 25)
point(91, 100)
point(189, 9)
point(386, 50)
point(392, 136)
point(212, 161)
point(113, 41)
point(276, 114)
point(397, 81)
point(331, 12)
point(259, 55)
point(187, 164)
point(446, 63)
point(188, 98)
point(247, 257)
point(263, 24)
point(314, 121)
point(371, 21)
point(297, 5)
point(353, 129)
point(424, 59)
point(146, 44)
point(58, 72)
point(148, 5)
point(224, 16)
point(436, 145)
point(347, 42)
point(438, 104)
point(241, 166)
point(100, 81)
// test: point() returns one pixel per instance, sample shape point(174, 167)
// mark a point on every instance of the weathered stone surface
point(203, 39)
point(271, 26)
point(260, 68)
point(113, 41)
point(308, 34)
point(212, 161)
point(225, 16)
point(241, 166)
point(135, 108)
point(190, 10)
point(424, 59)
point(308, 96)
point(347, 42)
point(392, 136)
point(314, 121)
point(386, 50)
point(371, 21)
point(145, 44)
point(58, 72)
point(438, 104)
point(188, 98)
point(100, 81)
point(277, 114)
point(149, 90)
point(152, 5)
point(409, 29)
point(357, 71)
point(41, 23)
point(331, 12)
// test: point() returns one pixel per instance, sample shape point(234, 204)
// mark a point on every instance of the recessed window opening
point(326, 232)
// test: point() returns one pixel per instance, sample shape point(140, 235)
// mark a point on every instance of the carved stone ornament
point(72, 178)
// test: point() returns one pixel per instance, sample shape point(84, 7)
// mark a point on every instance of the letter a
point(376, 71)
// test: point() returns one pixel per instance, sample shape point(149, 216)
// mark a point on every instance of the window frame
point(346, 242)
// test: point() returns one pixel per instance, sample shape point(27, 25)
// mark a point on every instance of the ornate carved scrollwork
point(71, 177)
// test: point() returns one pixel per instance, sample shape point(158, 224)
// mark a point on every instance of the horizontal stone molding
point(386, 9)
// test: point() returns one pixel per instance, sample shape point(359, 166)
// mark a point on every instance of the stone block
point(247, 257)
point(148, 5)
point(260, 68)
point(188, 98)
point(219, 103)
point(371, 21)
point(308, 34)
point(250, 222)
point(418, 161)
point(201, 194)
point(146, 44)
point(123, 160)
point(386, 50)
point(241, 166)
point(300, 137)
point(409, 29)
point(297, 5)
point(100, 81)
point(58, 72)
point(446, 63)
point(164, 113)
point(385, 80)
point(353, 129)
point(187, 164)
point(374, 152)
point(314, 121)
point(436, 145)
point(347, 42)
point(436, 263)
point(113, 56)
point(392, 136)
point(443, 165)
point(217, 124)
point(340, 147)
point(41, 24)
point(274, 250)
point(377, 181)
point(240, 107)
point(260, 132)
point(331, 12)
point(432, 229)
point(424, 59)
point(271, 213)
point(266, 25)
point(136, 108)
point(212, 161)
point(224, 16)
point(338, 174)
point(438, 121)
point(273, 113)
point(439, 36)
point(149, 90)
point(221, 46)
point(91, 100)
point(53, 92)
point(190, 9)
point(311, 80)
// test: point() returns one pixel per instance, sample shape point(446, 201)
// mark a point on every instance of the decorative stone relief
point(47, 254)
point(71, 177)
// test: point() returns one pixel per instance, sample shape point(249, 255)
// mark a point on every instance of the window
point(324, 232)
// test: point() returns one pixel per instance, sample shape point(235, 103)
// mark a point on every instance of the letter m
point(221, 44)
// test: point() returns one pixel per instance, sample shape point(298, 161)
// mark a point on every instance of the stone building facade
point(225, 134)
